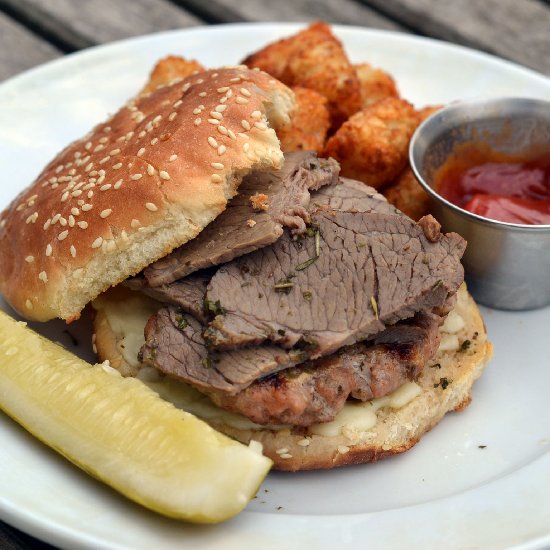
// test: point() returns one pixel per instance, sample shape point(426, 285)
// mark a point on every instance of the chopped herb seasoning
point(307, 295)
point(437, 284)
point(248, 283)
point(279, 507)
point(310, 232)
point(305, 264)
point(182, 322)
point(435, 366)
point(362, 244)
point(374, 306)
point(482, 446)
point(465, 345)
point(281, 332)
point(213, 307)
point(283, 285)
point(206, 363)
point(317, 243)
point(443, 382)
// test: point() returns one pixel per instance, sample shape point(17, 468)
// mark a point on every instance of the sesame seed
point(142, 134)
point(246, 147)
point(282, 451)
point(47, 224)
point(103, 140)
point(105, 187)
point(200, 80)
point(212, 142)
point(75, 211)
point(197, 111)
point(135, 223)
point(65, 196)
point(104, 160)
point(154, 141)
point(223, 99)
point(231, 134)
point(71, 221)
point(88, 146)
point(245, 92)
point(172, 116)
point(343, 449)
point(217, 165)
point(173, 158)
point(32, 218)
point(28, 304)
point(29, 259)
point(76, 193)
point(222, 130)
point(141, 151)
point(150, 170)
point(185, 87)
point(55, 219)
point(136, 176)
point(62, 221)
point(223, 89)
point(213, 75)
point(241, 100)
point(241, 135)
point(303, 442)
point(82, 224)
point(97, 243)
point(158, 118)
point(63, 235)
point(129, 136)
point(164, 175)
point(100, 147)
point(216, 178)
point(256, 114)
point(90, 194)
point(236, 79)
point(245, 124)
point(215, 114)
point(222, 149)
point(117, 165)
point(202, 94)
point(260, 125)
point(105, 213)
point(151, 206)
point(110, 246)
point(178, 103)
point(86, 207)
point(49, 250)
point(117, 184)
point(213, 121)
point(59, 168)
point(80, 202)
point(197, 121)
point(114, 152)
point(43, 276)
point(220, 108)
point(229, 93)
point(286, 455)
point(73, 251)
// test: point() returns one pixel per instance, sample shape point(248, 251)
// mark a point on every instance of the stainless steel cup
point(507, 265)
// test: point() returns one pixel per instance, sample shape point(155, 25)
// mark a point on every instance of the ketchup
point(506, 188)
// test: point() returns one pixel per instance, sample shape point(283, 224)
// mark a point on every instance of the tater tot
point(405, 192)
point(169, 69)
point(407, 195)
point(315, 59)
point(372, 145)
point(375, 83)
point(309, 123)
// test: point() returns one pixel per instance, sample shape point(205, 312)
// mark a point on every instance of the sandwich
point(262, 292)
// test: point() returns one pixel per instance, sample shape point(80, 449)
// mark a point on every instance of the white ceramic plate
point(447, 492)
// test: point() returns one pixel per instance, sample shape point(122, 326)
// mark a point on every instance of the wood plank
point(518, 30)
point(20, 49)
point(78, 25)
point(335, 11)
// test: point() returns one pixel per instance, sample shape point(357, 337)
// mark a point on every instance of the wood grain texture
point(81, 24)
point(518, 30)
point(334, 11)
point(20, 49)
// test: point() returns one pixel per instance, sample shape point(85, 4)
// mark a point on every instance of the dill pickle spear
point(123, 433)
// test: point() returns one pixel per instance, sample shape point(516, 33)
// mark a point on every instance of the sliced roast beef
point(174, 345)
point(356, 274)
point(349, 195)
point(188, 294)
point(266, 202)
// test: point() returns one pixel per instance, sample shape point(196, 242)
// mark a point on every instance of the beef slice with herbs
point(353, 275)
point(266, 202)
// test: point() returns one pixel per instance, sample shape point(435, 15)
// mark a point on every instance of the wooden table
point(35, 31)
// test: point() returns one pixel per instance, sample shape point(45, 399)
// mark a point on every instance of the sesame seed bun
point(120, 316)
point(137, 186)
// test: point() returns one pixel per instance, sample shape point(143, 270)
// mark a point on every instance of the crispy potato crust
point(169, 69)
point(309, 123)
point(376, 84)
point(372, 145)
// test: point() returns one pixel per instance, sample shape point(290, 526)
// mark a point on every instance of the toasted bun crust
point(138, 185)
point(396, 430)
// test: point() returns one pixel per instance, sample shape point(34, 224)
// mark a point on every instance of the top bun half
point(137, 186)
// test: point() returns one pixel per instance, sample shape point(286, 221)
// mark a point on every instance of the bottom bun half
point(361, 432)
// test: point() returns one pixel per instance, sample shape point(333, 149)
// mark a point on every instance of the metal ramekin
point(507, 265)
